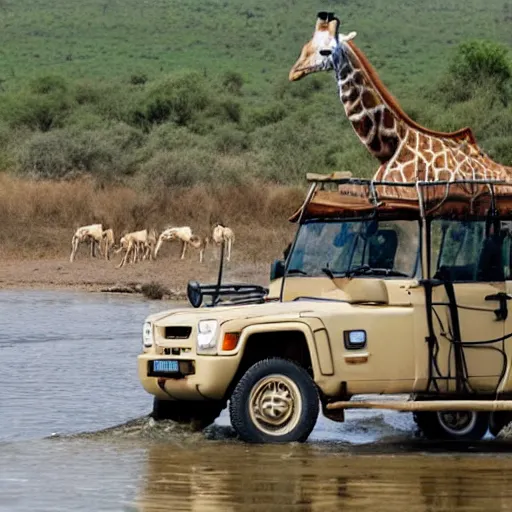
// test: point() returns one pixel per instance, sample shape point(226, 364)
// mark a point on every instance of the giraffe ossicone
point(407, 151)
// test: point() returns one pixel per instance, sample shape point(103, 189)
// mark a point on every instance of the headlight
point(147, 335)
point(206, 334)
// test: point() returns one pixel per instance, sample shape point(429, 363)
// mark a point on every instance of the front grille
point(177, 332)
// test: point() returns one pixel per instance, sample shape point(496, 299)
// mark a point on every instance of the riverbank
point(97, 275)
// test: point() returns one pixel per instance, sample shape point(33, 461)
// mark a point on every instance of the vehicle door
point(468, 258)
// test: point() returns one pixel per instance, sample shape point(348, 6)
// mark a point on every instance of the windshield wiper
point(367, 270)
point(297, 271)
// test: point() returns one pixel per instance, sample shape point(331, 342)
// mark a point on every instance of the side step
point(428, 405)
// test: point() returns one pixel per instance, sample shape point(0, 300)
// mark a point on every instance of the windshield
point(363, 247)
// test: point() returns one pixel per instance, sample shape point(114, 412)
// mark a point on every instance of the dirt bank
point(97, 275)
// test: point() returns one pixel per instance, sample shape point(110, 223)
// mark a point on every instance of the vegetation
point(162, 95)
point(154, 290)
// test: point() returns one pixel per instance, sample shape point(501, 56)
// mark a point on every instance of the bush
point(154, 290)
point(232, 81)
point(480, 61)
point(269, 114)
point(478, 66)
point(46, 155)
point(66, 153)
point(178, 99)
point(229, 140)
point(178, 168)
point(49, 84)
point(138, 79)
point(36, 112)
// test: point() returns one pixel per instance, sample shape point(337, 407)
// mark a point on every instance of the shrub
point(154, 290)
point(269, 114)
point(36, 112)
point(481, 60)
point(86, 92)
point(478, 66)
point(178, 168)
point(229, 140)
point(232, 81)
point(49, 84)
point(177, 98)
point(138, 79)
point(66, 153)
point(45, 155)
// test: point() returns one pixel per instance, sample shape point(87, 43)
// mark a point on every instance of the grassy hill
point(165, 93)
point(409, 41)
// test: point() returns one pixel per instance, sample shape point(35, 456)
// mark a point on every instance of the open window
point(469, 250)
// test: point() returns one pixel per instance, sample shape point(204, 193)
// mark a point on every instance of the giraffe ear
point(347, 37)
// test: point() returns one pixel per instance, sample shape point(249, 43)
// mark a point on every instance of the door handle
point(502, 312)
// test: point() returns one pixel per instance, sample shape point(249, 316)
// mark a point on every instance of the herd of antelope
point(144, 245)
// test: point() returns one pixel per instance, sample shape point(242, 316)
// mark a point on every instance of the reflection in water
point(311, 478)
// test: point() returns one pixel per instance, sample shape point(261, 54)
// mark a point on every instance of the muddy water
point(67, 366)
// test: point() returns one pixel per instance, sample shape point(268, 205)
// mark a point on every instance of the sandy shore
point(97, 275)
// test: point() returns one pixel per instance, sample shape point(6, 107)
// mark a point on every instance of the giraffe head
point(317, 54)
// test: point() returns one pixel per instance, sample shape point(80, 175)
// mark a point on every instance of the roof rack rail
point(346, 177)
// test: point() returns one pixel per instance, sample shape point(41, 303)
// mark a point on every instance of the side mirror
point(276, 270)
point(194, 294)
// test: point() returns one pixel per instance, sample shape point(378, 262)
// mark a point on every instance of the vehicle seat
point(382, 249)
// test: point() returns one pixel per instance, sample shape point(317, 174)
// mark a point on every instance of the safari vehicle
point(389, 288)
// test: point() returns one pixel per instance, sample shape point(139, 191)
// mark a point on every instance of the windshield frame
point(417, 267)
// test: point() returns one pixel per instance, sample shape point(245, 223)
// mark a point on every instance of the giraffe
point(407, 151)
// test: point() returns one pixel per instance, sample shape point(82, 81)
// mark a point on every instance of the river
point(74, 434)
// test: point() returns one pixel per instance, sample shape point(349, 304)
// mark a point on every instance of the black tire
point(197, 414)
point(444, 425)
point(498, 420)
point(280, 385)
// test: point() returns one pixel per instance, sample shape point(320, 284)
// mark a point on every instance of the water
point(74, 434)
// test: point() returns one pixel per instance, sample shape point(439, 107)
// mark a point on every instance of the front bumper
point(211, 379)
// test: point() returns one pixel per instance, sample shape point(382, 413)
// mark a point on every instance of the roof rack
point(346, 177)
point(390, 197)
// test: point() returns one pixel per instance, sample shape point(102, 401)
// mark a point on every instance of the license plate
point(166, 366)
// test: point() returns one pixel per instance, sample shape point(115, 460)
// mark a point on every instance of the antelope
point(132, 243)
point(183, 234)
point(92, 234)
point(223, 234)
point(108, 238)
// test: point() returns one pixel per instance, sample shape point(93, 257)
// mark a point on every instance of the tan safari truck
point(387, 289)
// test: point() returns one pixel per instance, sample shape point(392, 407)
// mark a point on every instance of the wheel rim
point(458, 423)
point(275, 404)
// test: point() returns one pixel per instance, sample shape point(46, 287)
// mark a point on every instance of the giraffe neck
point(376, 125)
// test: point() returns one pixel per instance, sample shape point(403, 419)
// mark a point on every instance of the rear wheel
point(197, 414)
point(452, 425)
point(276, 401)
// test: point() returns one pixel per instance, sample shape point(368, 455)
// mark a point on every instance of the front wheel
point(197, 414)
point(452, 425)
point(276, 401)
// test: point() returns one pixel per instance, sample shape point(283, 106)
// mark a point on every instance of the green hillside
point(105, 86)
point(408, 40)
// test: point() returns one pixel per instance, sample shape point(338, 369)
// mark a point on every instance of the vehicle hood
point(191, 316)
